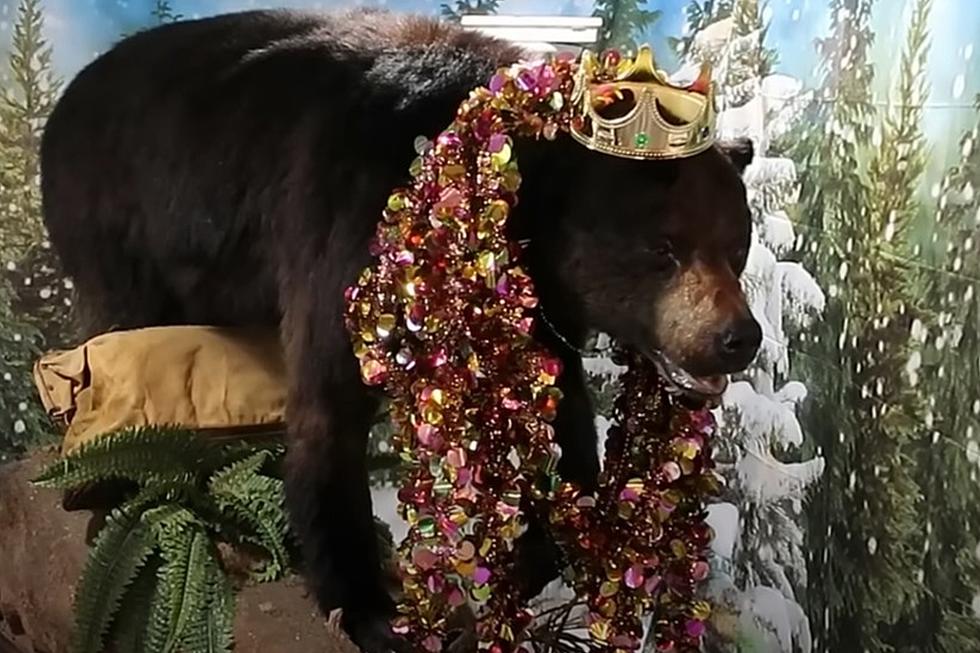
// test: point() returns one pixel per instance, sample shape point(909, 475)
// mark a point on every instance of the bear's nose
point(738, 344)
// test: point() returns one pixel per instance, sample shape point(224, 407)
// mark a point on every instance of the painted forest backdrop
point(851, 517)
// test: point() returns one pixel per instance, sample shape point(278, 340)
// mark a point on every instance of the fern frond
point(119, 552)
point(210, 630)
point(144, 455)
point(239, 449)
point(263, 534)
point(244, 468)
point(129, 630)
point(183, 579)
point(257, 504)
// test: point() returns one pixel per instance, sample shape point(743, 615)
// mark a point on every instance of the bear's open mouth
point(705, 388)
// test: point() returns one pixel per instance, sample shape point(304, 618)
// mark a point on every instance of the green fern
point(184, 579)
point(193, 494)
point(210, 629)
point(121, 549)
point(146, 455)
point(158, 552)
point(129, 632)
point(255, 502)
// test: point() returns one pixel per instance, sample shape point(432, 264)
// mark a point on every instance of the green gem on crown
point(642, 140)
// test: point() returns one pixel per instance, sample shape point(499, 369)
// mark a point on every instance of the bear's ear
point(739, 151)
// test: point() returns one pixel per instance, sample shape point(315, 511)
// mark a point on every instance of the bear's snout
point(737, 344)
point(703, 322)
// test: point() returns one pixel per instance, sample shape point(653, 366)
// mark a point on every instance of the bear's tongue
point(704, 387)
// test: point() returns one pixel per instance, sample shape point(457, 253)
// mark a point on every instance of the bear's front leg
point(327, 490)
point(575, 426)
point(537, 553)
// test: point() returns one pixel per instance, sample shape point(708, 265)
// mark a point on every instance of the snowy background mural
point(851, 449)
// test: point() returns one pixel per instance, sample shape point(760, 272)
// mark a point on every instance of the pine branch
point(24, 108)
point(163, 12)
point(460, 8)
point(901, 158)
point(23, 421)
point(623, 21)
point(699, 16)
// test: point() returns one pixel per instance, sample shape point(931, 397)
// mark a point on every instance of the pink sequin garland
point(443, 321)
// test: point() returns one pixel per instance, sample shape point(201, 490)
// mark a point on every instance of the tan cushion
point(204, 378)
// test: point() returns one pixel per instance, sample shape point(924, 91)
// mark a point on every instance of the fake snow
point(385, 500)
point(801, 291)
point(959, 85)
point(778, 231)
point(793, 392)
point(601, 366)
point(723, 519)
point(715, 36)
point(785, 619)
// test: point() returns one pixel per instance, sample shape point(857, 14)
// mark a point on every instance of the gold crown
point(627, 108)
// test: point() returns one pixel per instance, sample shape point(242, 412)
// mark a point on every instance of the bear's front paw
point(462, 641)
point(372, 633)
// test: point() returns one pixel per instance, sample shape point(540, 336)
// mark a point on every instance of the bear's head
point(651, 253)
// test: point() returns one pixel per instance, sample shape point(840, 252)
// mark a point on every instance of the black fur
point(231, 171)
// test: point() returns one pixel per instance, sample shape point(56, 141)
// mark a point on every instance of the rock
point(43, 549)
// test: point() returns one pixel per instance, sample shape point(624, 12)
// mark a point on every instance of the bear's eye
point(663, 256)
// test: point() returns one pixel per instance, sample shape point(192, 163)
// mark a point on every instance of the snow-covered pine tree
point(895, 173)
point(863, 413)
point(22, 418)
point(42, 294)
point(456, 10)
point(622, 22)
point(30, 90)
point(700, 16)
point(25, 104)
point(163, 12)
point(760, 570)
point(946, 369)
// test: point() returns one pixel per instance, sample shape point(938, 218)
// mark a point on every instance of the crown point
point(588, 63)
point(642, 68)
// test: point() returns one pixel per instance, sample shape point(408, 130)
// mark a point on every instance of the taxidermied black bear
point(231, 171)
